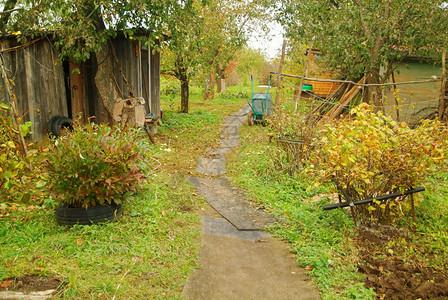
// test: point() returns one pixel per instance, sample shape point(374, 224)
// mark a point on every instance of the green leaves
point(363, 36)
point(14, 167)
point(94, 164)
point(4, 106)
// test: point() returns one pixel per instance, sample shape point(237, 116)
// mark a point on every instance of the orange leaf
point(6, 283)
point(309, 268)
point(163, 213)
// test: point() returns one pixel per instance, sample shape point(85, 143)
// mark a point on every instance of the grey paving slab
point(231, 204)
point(212, 165)
point(230, 143)
point(240, 269)
point(222, 227)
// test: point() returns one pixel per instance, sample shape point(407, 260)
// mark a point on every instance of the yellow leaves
point(11, 144)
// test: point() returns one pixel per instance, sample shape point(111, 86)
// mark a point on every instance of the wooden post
point(395, 97)
point(305, 71)
point(280, 69)
point(76, 91)
point(352, 211)
point(443, 87)
point(14, 113)
point(413, 212)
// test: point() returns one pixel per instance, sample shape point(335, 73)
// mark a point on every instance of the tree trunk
point(443, 86)
point(280, 69)
point(105, 83)
point(184, 94)
point(208, 88)
point(7, 10)
point(374, 92)
point(220, 80)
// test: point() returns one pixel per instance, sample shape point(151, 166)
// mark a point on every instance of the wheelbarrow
point(261, 105)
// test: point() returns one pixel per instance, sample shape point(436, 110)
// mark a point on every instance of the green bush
point(94, 165)
point(372, 155)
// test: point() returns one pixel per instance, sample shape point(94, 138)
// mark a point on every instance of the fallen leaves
point(6, 284)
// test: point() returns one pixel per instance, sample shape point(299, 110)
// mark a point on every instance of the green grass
point(150, 252)
point(318, 238)
point(155, 244)
point(325, 241)
point(185, 137)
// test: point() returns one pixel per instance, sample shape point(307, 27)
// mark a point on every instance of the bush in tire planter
point(93, 166)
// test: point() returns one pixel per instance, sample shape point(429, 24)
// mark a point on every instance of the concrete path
point(237, 259)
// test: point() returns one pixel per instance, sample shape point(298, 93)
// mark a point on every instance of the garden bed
point(393, 276)
point(29, 285)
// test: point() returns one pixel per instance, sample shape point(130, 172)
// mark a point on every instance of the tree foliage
point(204, 38)
point(364, 36)
point(82, 26)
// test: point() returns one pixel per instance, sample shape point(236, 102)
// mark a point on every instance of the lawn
point(151, 250)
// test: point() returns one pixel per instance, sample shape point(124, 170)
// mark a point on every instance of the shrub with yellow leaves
point(371, 155)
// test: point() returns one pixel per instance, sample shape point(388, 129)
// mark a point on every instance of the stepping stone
point(230, 143)
point(212, 166)
point(234, 268)
point(230, 131)
point(222, 227)
point(231, 204)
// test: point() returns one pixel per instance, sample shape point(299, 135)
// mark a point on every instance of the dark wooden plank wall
point(154, 66)
point(93, 107)
point(39, 83)
point(129, 55)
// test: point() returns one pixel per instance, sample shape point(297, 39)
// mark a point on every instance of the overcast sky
point(271, 44)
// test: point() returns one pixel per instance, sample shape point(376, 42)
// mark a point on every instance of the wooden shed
point(315, 70)
point(410, 103)
point(46, 87)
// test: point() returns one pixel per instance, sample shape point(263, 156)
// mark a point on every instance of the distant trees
point(203, 39)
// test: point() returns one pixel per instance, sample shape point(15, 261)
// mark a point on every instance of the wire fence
point(401, 104)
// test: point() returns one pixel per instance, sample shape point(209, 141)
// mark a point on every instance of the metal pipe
point(370, 200)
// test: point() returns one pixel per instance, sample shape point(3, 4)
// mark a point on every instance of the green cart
point(261, 105)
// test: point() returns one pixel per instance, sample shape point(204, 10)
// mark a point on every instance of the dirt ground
point(392, 277)
point(29, 287)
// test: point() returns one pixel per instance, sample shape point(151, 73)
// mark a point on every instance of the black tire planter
point(57, 123)
point(88, 216)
